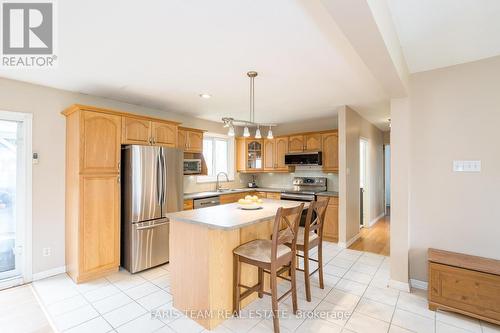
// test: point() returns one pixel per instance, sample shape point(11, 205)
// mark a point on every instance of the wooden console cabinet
point(465, 284)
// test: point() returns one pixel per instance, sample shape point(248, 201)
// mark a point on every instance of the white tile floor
point(355, 282)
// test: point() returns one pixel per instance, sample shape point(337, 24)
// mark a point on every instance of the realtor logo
point(28, 34)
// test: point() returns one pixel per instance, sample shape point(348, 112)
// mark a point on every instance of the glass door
point(11, 178)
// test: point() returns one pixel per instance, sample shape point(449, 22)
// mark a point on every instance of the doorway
point(363, 183)
point(15, 198)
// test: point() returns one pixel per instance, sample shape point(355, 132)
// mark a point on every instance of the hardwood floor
point(375, 239)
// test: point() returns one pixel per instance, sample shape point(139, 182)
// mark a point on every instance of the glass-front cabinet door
point(254, 154)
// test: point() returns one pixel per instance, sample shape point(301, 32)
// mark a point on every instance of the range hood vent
point(309, 158)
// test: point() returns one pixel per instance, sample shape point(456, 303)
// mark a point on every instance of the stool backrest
point(289, 218)
point(318, 210)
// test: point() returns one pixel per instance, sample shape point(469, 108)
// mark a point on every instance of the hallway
point(375, 239)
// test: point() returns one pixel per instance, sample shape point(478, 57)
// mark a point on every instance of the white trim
point(402, 286)
point(375, 220)
point(349, 242)
point(49, 273)
point(44, 309)
point(27, 225)
point(419, 284)
point(11, 282)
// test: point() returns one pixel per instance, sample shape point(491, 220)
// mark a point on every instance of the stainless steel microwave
point(192, 166)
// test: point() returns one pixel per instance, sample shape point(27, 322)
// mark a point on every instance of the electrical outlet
point(467, 166)
point(46, 251)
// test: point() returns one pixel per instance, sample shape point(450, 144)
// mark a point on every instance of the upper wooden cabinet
point(305, 142)
point(281, 150)
point(147, 132)
point(330, 151)
point(312, 142)
point(164, 134)
point(249, 157)
point(296, 143)
point(136, 131)
point(99, 142)
point(190, 140)
point(274, 154)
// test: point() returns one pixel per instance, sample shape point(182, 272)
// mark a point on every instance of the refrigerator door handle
point(163, 178)
point(159, 178)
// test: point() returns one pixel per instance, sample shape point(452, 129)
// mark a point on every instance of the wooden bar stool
point(272, 257)
point(308, 237)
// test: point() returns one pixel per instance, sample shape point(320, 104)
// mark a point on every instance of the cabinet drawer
point(465, 291)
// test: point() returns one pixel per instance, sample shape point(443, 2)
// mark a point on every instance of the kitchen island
point(201, 256)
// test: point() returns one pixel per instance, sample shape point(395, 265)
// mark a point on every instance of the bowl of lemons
point(250, 202)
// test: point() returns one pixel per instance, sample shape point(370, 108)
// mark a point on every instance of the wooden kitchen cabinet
point(269, 154)
point(100, 142)
point(147, 132)
point(249, 155)
point(232, 197)
point(92, 193)
point(99, 239)
point(330, 152)
point(136, 131)
point(281, 147)
point(163, 134)
point(273, 195)
point(312, 142)
point(296, 144)
point(331, 223)
point(190, 140)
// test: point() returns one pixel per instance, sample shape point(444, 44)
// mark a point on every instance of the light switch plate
point(466, 166)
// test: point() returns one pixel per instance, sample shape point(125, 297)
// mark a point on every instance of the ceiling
point(442, 33)
point(163, 54)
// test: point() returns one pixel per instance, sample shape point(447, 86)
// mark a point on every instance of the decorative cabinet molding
point(164, 134)
point(330, 152)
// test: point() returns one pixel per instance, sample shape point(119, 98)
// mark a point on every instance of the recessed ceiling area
point(441, 33)
point(164, 54)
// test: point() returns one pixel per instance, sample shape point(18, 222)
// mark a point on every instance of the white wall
point(351, 128)
point(49, 141)
point(455, 115)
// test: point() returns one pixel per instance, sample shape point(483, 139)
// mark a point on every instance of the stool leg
point(274, 299)
point(261, 282)
point(293, 279)
point(236, 283)
point(306, 274)
point(320, 265)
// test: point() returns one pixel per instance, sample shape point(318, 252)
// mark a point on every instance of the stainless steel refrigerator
point(152, 186)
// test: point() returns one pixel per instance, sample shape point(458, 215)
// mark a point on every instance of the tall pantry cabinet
point(92, 193)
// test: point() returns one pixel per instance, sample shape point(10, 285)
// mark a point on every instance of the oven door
point(300, 197)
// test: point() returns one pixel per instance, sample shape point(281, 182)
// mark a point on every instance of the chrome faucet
point(217, 184)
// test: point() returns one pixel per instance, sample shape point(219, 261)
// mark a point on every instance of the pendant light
point(270, 133)
point(257, 133)
point(246, 132)
point(230, 132)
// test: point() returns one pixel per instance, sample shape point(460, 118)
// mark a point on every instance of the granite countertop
point(328, 194)
point(230, 216)
point(207, 194)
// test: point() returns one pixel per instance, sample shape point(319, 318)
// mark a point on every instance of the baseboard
point(419, 284)
point(49, 273)
point(403, 286)
point(375, 220)
point(345, 245)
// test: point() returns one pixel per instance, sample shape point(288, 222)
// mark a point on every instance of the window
point(218, 151)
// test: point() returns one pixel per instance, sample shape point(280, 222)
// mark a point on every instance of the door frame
point(26, 225)
point(366, 187)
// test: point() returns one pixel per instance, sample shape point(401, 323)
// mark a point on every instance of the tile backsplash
point(285, 179)
point(279, 180)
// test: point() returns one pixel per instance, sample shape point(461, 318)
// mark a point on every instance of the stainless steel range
point(305, 188)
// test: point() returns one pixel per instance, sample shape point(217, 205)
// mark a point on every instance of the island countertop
point(230, 216)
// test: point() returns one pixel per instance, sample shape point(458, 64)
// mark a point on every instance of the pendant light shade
point(257, 133)
point(270, 133)
point(230, 132)
point(246, 132)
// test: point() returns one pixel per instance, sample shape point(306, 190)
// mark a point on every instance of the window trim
point(230, 158)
